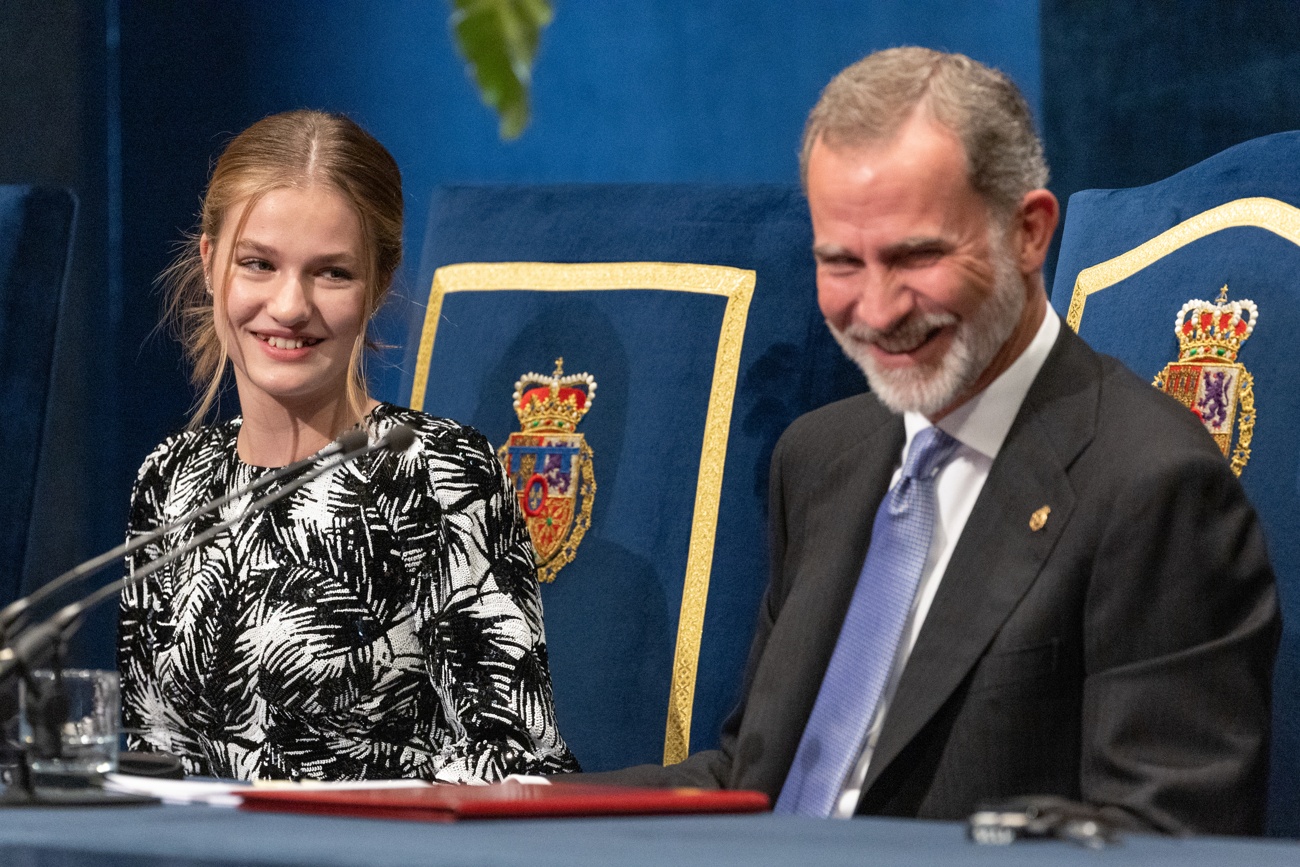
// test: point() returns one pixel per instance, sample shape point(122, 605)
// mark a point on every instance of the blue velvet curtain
point(35, 240)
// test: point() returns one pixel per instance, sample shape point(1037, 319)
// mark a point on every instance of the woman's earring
point(207, 281)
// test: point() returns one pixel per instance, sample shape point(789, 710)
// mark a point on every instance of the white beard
point(929, 388)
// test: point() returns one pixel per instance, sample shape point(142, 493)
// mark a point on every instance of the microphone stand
point(13, 617)
point(48, 640)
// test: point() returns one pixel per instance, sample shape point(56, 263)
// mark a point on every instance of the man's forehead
point(922, 168)
point(920, 136)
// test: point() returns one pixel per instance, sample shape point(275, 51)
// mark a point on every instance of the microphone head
point(399, 439)
point(352, 441)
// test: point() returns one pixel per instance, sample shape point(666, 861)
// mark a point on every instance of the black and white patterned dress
point(382, 622)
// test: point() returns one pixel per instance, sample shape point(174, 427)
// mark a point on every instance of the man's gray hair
point(869, 101)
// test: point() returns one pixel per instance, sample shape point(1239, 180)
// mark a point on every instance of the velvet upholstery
point(612, 614)
point(36, 225)
point(1134, 257)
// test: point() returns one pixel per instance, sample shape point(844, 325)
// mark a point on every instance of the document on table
point(228, 793)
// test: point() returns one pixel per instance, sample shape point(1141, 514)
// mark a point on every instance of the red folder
point(509, 800)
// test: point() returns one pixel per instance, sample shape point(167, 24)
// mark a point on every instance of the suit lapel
point(847, 515)
point(998, 555)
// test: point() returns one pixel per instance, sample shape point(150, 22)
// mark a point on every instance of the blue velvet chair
point(1226, 233)
point(693, 310)
point(36, 225)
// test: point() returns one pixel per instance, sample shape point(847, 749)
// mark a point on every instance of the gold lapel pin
point(1039, 518)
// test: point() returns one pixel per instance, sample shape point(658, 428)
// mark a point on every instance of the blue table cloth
point(184, 836)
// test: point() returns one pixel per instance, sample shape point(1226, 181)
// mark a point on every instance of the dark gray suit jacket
point(1121, 654)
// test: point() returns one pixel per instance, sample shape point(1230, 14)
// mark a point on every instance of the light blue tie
point(864, 653)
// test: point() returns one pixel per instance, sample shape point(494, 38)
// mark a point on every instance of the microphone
point(399, 438)
point(13, 617)
point(36, 642)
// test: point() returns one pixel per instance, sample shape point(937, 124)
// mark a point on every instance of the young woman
point(384, 620)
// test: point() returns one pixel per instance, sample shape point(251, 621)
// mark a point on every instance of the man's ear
point(1035, 222)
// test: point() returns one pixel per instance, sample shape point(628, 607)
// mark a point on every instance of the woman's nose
point(290, 302)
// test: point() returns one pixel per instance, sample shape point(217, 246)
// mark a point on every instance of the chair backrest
point(1224, 232)
point(36, 225)
point(693, 310)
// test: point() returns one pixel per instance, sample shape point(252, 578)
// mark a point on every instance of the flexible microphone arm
point(32, 644)
point(13, 617)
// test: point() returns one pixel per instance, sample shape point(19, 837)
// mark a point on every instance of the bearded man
point(1012, 568)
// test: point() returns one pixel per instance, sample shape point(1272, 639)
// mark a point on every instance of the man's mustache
point(904, 336)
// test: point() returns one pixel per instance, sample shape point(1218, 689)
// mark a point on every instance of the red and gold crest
point(1207, 377)
point(550, 463)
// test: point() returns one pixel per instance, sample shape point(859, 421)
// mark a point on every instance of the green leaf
point(498, 39)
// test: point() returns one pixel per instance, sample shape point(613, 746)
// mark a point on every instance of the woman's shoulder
point(187, 446)
point(455, 458)
point(434, 434)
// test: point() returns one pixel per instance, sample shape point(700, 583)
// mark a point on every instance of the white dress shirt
point(980, 427)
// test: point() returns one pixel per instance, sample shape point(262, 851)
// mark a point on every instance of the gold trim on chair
point(737, 286)
point(1263, 213)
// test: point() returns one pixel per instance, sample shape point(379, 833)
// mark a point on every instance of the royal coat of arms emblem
point(550, 464)
point(1208, 379)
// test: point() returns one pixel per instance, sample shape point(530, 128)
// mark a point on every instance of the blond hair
point(869, 101)
point(287, 150)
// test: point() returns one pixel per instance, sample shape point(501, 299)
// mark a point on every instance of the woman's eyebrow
point(247, 245)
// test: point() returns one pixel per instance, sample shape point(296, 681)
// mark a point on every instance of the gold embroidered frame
point(737, 286)
point(1263, 213)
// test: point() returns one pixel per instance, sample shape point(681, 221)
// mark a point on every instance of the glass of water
point(69, 724)
point(8, 732)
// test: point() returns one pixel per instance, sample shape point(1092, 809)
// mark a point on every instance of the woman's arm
point(135, 642)
point(487, 650)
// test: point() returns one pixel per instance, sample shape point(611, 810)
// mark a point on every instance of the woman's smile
point(287, 342)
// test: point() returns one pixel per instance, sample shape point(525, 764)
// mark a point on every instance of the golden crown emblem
point(550, 464)
point(1208, 379)
point(1214, 331)
point(554, 403)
